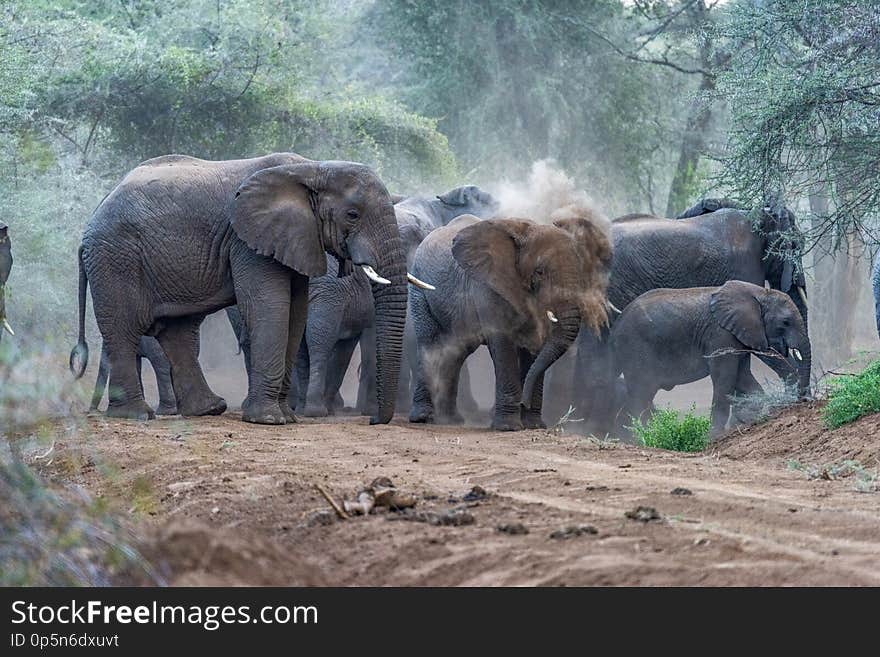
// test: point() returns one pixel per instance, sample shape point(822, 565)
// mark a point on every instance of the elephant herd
point(311, 258)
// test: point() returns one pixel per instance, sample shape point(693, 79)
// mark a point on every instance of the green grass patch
point(666, 430)
point(852, 396)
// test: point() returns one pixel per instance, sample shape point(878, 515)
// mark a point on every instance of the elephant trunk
point(805, 365)
point(390, 305)
point(559, 341)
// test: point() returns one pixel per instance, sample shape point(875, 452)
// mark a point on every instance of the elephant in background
point(150, 349)
point(181, 237)
point(707, 249)
point(522, 289)
point(5, 269)
point(669, 337)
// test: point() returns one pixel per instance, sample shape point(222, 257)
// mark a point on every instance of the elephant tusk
point(613, 307)
point(8, 327)
point(796, 353)
point(373, 276)
point(551, 316)
point(415, 281)
point(803, 295)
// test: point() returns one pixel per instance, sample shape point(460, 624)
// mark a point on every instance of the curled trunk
point(559, 341)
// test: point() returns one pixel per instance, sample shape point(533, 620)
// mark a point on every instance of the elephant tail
point(81, 351)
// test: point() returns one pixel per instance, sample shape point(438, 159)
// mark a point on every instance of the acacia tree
point(803, 88)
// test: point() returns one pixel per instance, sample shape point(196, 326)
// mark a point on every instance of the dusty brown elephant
point(522, 289)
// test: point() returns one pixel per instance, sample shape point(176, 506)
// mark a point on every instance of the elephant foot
point(289, 416)
point(315, 410)
point(263, 412)
point(136, 410)
point(532, 420)
point(421, 414)
point(166, 409)
point(212, 405)
point(507, 423)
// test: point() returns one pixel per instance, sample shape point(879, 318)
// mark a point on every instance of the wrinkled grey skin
point(5, 268)
point(670, 337)
point(150, 349)
point(180, 238)
point(875, 282)
point(495, 281)
point(704, 250)
point(341, 313)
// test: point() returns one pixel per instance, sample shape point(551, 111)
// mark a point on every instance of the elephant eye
point(352, 214)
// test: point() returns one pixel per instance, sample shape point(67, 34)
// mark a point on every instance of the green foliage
point(802, 91)
point(46, 540)
point(665, 430)
point(852, 397)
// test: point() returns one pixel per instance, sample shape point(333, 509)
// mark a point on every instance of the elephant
point(521, 288)
point(703, 250)
point(181, 237)
point(150, 349)
point(669, 337)
point(5, 269)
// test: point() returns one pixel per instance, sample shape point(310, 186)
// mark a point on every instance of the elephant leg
point(241, 335)
point(101, 381)
point(638, 405)
point(153, 352)
point(320, 358)
point(445, 388)
point(263, 292)
point(427, 333)
point(531, 417)
point(366, 402)
point(126, 393)
point(466, 402)
point(592, 380)
point(296, 398)
point(407, 368)
point(724, 372)
point(296, 328)
point(179, 340)
point(746, 412)
point(339, 362)
point(508, 386)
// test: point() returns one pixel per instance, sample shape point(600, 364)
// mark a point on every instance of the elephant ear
point(272, 214)
point(735, 306)
point(489, 251)
point(592, 237)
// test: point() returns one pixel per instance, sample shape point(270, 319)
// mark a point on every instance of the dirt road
point(223, 502)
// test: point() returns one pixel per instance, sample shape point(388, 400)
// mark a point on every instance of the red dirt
point(223, 502)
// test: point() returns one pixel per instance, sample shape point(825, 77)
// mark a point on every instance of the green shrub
point(665, 430)
point(852, 396)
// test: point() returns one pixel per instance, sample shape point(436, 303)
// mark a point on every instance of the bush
point(852, 396)
point(665, 430)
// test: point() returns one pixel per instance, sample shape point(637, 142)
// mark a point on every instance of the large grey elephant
point(702, 250)
point(181, 237)
point(5, 269)
point(669, 337)
point(522, 289)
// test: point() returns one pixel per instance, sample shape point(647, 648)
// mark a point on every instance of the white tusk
point(613, 307)
point(373, 276)
point(415, 281)
point(803, 295)
point(8, 327)
point(551, 316)
point(797, 354)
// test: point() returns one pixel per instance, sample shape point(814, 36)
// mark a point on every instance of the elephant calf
point(519, 287)
point(668, 337)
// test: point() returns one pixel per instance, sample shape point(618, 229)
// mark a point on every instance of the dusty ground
point(223, 502)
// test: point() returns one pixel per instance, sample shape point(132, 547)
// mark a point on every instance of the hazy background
point(644, 105)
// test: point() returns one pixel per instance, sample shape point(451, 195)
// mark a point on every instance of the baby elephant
point(668, 337)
